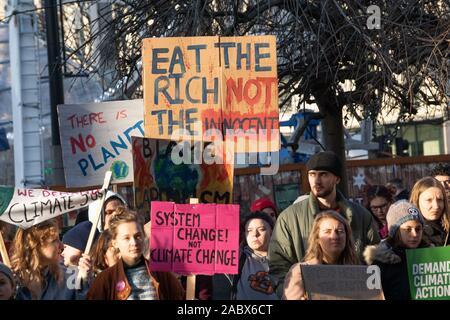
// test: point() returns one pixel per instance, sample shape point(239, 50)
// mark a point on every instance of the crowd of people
point(322, 227)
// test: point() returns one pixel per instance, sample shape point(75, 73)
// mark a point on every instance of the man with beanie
point(75, 241)
point(290, 237)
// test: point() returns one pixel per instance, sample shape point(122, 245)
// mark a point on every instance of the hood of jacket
point(383, 253)
point(92, 209)
point(110, 194)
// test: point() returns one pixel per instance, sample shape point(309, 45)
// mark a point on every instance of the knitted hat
point(400, 212)
point(262, 203)
point(77, 237)
point(327, 161)
point(7, 272)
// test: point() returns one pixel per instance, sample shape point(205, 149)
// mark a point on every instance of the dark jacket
point(105, 286)
point(289, 240)
point(434, 233)
point(403, 195)
point(225, 285)
point(393, 267)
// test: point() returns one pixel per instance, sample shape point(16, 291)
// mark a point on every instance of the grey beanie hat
point(399, 213)
point(7, 272)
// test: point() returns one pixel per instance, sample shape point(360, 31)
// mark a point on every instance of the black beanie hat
point(77, 237)
point(327, 161)
point(259, 215)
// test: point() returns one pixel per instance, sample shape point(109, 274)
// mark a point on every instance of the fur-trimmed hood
point(382, 253)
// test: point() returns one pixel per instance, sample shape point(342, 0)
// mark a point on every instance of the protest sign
point(429, 273)
point(342, 282)
point(158, 177)
point(96, 137)
point(194, 238)
point(28, 207)
point(210, 86)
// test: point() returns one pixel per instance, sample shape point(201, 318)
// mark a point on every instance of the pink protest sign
point(194, 238)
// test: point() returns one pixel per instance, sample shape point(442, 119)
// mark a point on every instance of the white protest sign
point(28, 207)
point(96, 138)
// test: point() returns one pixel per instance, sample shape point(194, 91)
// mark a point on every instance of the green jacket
point(289, 240)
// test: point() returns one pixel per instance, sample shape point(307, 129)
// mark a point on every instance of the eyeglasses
point(381, 207)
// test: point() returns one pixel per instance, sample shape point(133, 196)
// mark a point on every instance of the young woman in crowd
point(131, 278)
point(379, 199)
point(252, 281)
point(405, 232)
point(103, 253)
point(330, 242)
point(429, 196)
point(36, 262)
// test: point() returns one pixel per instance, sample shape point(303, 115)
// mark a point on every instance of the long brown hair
point(424, 184)
point(26, 260)
point(348, 256)
point(99, 250)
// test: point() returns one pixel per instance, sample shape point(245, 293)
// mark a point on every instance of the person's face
point(51, 250)
point(129, 241)
point(322, 183)
point(111, 256)
point(110, 207)
point(411, 234)
point(258, 233)
point(445, 180)
point(71, 256)
point(332, 237)
point(379, 207)
point(431, 203)
point(271, 213)
point(6, 288)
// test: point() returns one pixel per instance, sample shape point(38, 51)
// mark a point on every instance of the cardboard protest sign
point(96, 137)
point(342, 282)
point(194, 238)
point(429, 273)
point(159, 175)
point(28, 207)
point(212, 86)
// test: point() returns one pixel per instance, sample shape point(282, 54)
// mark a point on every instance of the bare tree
point(397, 66)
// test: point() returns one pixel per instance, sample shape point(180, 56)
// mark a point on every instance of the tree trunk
point(333, 132)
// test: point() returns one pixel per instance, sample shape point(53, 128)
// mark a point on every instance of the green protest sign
point(429, 273)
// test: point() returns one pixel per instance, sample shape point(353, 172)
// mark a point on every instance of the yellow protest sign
point(201, 87)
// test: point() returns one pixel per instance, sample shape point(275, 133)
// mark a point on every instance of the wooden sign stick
point(99, 206)
point(190, 281)
point(4, 252)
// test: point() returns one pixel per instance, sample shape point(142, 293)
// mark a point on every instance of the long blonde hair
point(424, 184)
point(26, 259)
point(315, 251)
